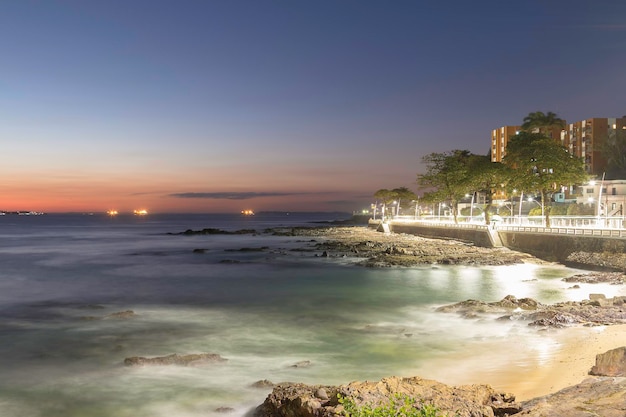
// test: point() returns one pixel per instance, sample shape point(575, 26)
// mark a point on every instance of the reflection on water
point(62, 351)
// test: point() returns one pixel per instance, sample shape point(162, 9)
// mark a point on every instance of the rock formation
point(611, 363)
point(175, 359)
point(300, 400)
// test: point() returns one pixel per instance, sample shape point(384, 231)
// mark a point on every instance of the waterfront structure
point(586, 138)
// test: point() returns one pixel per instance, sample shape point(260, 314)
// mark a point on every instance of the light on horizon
point(140, 212)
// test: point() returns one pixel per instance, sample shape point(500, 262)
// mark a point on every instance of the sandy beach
point(529, 369)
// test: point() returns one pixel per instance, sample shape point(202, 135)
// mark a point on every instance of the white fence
point(593, 226)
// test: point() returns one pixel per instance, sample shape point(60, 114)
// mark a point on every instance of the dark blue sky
point(285, 104)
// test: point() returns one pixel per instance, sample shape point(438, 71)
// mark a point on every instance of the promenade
point(579, 241)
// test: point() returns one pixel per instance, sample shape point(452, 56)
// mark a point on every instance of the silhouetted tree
point(539, 122)
point(613, 149)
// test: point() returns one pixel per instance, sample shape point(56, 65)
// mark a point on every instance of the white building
point(610, 193)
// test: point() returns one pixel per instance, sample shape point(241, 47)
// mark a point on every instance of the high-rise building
point(586, 138)
point(499, 140)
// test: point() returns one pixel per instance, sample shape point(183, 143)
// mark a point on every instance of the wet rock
point(260, 249)
point(611, 363)
point(598, 277)
point(175, 359)
point(199, 250)
point(470, 308)
point(121, 315)
point(263, 383)
point(224, 410)
point(213, 231)
point(552, 318)
point(595, 312)
point(301, 364)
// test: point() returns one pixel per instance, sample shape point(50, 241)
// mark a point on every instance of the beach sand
point(528, 367)
point(571, 363)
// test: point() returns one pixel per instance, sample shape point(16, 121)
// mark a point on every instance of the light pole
point(543, 219)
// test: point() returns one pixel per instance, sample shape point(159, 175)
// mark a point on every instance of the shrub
point(399, 405)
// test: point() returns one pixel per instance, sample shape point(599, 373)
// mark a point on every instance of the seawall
point(555, 244)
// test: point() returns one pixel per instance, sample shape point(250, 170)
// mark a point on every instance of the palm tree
point(613, 149)
point(544, 123)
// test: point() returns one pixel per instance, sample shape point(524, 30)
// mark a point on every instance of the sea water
point(265, 309)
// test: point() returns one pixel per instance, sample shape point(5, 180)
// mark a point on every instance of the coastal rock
point(121, 315)
point(175, 359)
point(213, 231)
point(616, 278)
point(301, 364)
point(224, 410)
point(605, 397)
point(399, 249)
point(472, 307)
point(263, 383)
point(596, 311)
point(300, 400)
point(611, 363)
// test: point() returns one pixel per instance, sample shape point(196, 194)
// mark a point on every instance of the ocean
point(265, 309)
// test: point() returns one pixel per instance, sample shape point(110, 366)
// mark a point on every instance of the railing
point(593, 222)
point(611, 233)
point(612, 227)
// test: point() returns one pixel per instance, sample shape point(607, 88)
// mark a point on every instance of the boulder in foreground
point(611, 363)
point(300, 400)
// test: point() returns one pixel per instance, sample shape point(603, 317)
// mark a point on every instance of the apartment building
point(585, 139)
point(499, 141)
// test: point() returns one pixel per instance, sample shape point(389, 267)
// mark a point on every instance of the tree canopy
point(447, 176)
point(540, 164)
point(540, 122)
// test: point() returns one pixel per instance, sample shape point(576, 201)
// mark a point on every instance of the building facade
point(499, 141)
point(608, 197)
point(586, 138)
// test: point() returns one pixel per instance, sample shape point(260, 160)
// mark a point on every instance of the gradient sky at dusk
point(218, 106)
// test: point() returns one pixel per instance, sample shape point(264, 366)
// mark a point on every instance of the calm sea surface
point(62, 275)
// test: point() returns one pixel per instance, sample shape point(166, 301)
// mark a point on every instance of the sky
point(219, 106)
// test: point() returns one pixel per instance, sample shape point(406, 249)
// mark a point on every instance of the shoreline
point(528, 372)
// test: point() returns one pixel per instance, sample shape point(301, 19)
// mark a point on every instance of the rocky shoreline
point(376, 249)
point(603, 394)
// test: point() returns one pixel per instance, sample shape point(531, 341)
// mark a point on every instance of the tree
point(613, 149)
point(486, 177)
point(539, 164)
point(538, 122)
point(446, 177)
point(402, 193)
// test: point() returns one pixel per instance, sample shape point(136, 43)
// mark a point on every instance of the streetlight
point(439, 213)
point(543, 219)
